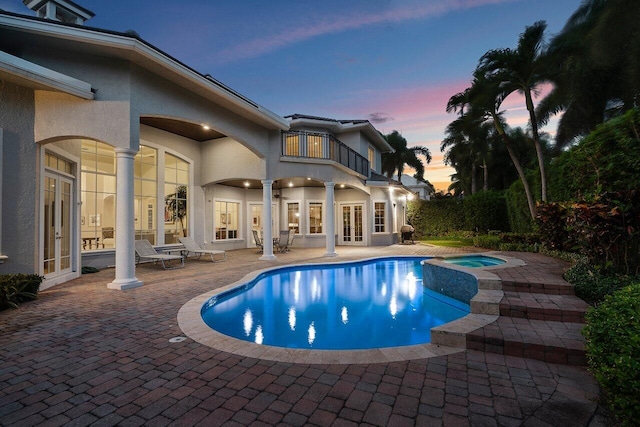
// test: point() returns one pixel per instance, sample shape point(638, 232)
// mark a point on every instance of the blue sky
point(394, 62)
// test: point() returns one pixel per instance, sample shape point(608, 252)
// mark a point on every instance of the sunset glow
point(393, 62)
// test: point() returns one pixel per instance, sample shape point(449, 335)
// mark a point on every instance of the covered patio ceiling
point(193, 131)
point(278, 184)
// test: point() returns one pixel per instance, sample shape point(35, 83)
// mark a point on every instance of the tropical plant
point(403, 155)
point(176, 206)
point(594, 65)
point(482, 100)
point(17, 288)
point(612, 345)
point(521, 70)
point(467, 148)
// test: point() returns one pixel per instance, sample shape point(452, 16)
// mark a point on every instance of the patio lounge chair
point(190, 246)
point(258, 241)
point(144, 250)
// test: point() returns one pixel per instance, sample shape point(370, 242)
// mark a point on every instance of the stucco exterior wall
point(20, 178)
point(152, 95)
point(226, 158)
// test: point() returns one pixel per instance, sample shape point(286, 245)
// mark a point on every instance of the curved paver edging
point(450, 336)
point(485, 304)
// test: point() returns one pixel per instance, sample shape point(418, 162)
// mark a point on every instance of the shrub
point(17, 288)
point(551, 220)
point(487, 241)
point(593, 286)
point(516, 242)
point(613, 345)
point(606, 229)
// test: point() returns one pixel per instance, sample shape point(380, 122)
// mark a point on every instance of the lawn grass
point(449, 243)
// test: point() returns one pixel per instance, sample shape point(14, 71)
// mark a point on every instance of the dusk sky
point(393, 62)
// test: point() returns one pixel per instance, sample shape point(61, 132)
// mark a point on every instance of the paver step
point(557, 287)
point(551, 342)
point(559, 308)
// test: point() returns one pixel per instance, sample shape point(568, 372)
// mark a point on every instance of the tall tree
point(483, 100)
point(521, 70)
point(467, 148)
point(594, 64)
point(403, 155)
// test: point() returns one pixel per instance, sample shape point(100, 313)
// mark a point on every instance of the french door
point(256, 222)
point(58, 226)
point(352, 224)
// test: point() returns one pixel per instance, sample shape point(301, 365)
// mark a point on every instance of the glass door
point(256, 222)
point(352, 224)
point(58, 229)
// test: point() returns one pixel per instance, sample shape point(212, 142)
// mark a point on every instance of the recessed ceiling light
point(205, 127)
point(290, 184)
point(341, 185)
point(246, 184)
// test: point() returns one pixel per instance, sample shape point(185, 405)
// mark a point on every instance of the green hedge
point(486, 210)
point(436, 217)
point(481, 212)
point(17, 288)
point(613, 348)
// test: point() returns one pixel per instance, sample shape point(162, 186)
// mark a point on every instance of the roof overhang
point(32, 75)
point(342, 126)
point(132, 48)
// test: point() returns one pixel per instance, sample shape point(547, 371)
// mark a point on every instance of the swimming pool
point(474, 261)
point(361, 305)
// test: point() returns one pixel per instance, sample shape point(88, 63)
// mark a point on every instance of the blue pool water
point(360, 305)
point(474, 261)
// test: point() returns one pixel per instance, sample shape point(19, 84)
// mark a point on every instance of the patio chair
point(190, 246)
point(144, 251)
point(292, 235)
point(258, 241)
point(281, 244)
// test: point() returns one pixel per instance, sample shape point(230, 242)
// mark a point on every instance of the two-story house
point(105, 139)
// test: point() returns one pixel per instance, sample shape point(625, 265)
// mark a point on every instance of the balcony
point(312, 145)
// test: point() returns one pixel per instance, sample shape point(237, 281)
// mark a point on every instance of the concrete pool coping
point(445, 339)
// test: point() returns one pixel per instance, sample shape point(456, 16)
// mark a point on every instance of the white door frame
point(341, 225)
point(71, 238)
point(250, 225)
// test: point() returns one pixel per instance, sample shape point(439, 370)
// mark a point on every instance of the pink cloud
point(337, 24)
point(419, 114)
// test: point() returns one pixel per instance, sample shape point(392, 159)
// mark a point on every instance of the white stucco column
point(330, 220)
point(267, 232)
point(124, 235)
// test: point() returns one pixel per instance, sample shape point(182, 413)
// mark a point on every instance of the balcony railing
point(312, 145)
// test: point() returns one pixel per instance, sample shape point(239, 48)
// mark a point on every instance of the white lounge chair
point(190, 246)
point(144, 250)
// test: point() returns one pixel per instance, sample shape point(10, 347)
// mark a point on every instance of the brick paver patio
point(86, 355)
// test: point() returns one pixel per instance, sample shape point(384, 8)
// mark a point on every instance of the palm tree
point(482, 100)
point(594, 64)
point(403, 155)
point(522, 70)
point(467, 146)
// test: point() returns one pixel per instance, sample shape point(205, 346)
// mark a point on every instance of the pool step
point(549, 341)
point(535, 306)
